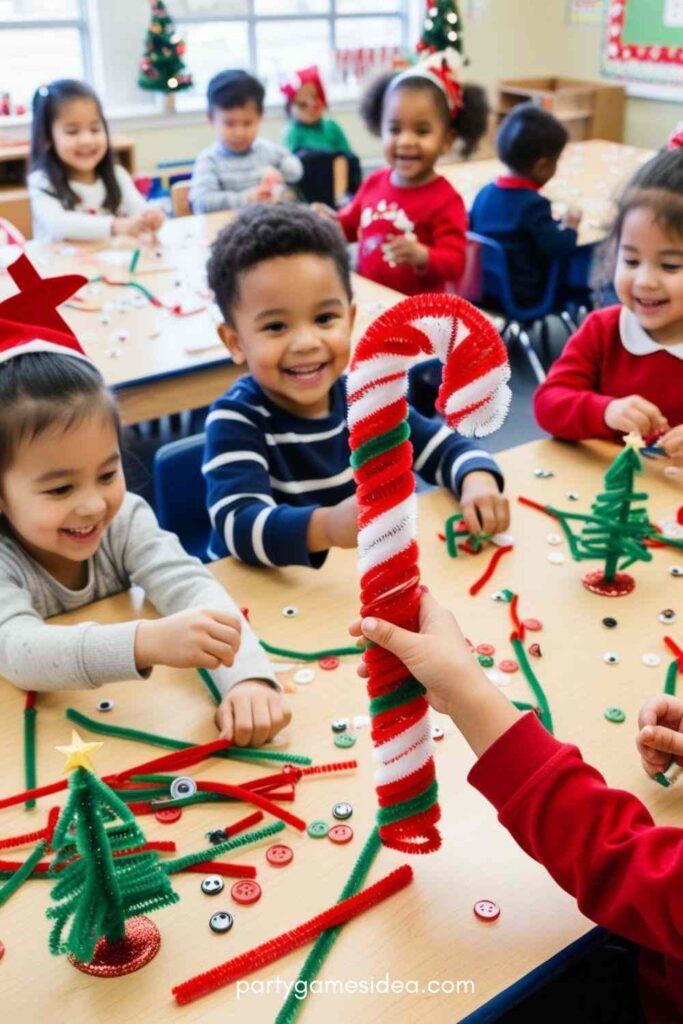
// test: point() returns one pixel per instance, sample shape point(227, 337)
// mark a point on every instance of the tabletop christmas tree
point(442, 28)
point(102, 888)
point(162, 68)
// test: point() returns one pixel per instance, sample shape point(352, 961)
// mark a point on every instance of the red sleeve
point(599, 844)
point(349, 217)
point(568, 404)
point(447, 252)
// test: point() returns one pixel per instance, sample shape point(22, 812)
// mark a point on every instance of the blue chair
point(180, 493)
point(519, 320)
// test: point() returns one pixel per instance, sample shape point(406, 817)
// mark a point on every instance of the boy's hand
point(573, 217)
point(484, 508)
point(635, 414)
point(334, 526)
point(325, 211)
point(252, 713)
point(404, 249)
point(153, 218)
point(672, 443)
point(196, 638)
point(260, 194)
point(660, 739)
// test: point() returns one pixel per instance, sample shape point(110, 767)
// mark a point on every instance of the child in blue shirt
point(511, 211)
point(280, 488)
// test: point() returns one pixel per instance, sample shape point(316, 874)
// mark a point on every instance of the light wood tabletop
point(427, 933)
point(588, 176)
point(157, 362)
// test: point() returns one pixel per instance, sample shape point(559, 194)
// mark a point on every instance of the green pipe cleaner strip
point(171, 866)
point(670, 682)
point(330, 652)
point(381, 444)
point(210, 685)
point(522, 706)
point(200, 797)
point(20, 876)
point(403, 694)
point(291, 1008)
point(30, 752)
point(416, 805)
point(536, 687)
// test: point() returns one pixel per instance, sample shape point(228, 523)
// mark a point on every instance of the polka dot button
point(168, 815)
point(279, 855)
point(105, 705)
point(344, 740)
point(486, 649)
point(183, 786)
point(221, 922)
point(318, 829)
point(614, 715)
point(534, 625)
point(212, 885)
point(667, 616)
point(290, 611)
point(329, 663)
point(342, 811)
point(610, 658)
point(340, 725)
point(340, 834)
point(508, 665)
point(486, 910)
point(651, 659)
point(246, 892)
point(304, 676)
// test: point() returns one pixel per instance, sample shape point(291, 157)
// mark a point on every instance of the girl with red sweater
point(623, 369)
point(410, 224)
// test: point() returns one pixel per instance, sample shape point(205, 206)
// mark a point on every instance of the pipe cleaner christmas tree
point(103, 886)
point(473, 396)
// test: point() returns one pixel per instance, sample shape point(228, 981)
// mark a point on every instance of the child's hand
point(483, 507)
point(252, 713)
point(661, 733)
point(334, 526)
point(196, 638)
point(132, 226)
point(573, 217)
point(153, 218)
point(404, 249)
point(672, 443)
point(260, 194)
point(635, 414)
point(325, 211)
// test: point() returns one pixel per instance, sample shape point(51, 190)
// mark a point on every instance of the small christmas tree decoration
point(102, 887)
point(162, 68)
point(442, 28)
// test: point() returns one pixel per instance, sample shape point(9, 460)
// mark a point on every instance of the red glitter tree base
point(620, 586)
point(112, 959)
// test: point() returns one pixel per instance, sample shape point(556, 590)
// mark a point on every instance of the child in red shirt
point(623, 369)
point(410, 224)
point(600, 844)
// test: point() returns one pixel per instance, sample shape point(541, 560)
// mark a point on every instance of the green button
point(344, 739)
point(318, 829)
point(485, 660)
point(614, 715)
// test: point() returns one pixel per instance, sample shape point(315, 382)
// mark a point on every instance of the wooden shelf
point(589, 110)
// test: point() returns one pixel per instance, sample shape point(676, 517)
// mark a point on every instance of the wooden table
point(428, 932)
point(588, 176)
point(166, 363)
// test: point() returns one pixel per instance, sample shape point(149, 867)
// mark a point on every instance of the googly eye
point(610, 658)
point(676, 570)
point(667, 616)
point(105, 705)
point(183, 786)
point(289, 611)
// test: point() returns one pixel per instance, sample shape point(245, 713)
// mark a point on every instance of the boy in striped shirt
point(280, 488)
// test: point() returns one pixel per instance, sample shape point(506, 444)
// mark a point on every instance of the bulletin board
point(643, 46)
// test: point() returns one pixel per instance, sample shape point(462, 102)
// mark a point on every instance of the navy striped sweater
point(266, 471)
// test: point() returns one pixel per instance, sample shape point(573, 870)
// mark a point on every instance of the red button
point(329, 663)
point(486, 649)
point(340, 834)
point(168, 816)
point(535, 650)
point(246, 892)
point(532, 624)
point(508, 665)
point(2, 950)
point(486, 910)
point(279, 855)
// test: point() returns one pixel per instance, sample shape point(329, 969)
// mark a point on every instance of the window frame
point(79, 21)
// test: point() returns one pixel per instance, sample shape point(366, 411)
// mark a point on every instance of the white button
point(554, 538)
point(304, 676)
point(556, 558)
point(651, 660)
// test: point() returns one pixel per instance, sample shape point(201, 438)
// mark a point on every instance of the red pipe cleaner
point(534, 504)
point(490, 569)
point(676, 650)
point(218, 867)
point(253, 798)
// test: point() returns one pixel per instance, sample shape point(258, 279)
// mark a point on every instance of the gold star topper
point(633, 440)
point(78, 753)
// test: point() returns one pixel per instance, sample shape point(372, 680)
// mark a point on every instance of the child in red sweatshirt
point(623, 369)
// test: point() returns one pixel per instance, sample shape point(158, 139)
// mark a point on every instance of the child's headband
point(444, 70)
point(29, 321)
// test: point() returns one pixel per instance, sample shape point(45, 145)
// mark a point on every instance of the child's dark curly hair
point(469, 124)
point(264, 231)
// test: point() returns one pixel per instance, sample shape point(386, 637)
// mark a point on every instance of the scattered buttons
point(556, 558)
point(614, 715)
point(535, 650)
point(212, 885)
point(486, 649)
point(183, 786)
point(340, 834)
point(553, 538)
point(361, 721)
point(437, 733)
point(340, 725)
point(485, 660)
point(486, 910)
point(221, 922)
point(329, 663)
point(344, 740)
point(651, 660)
point(534, 625)
point(543, 474)
point(609, 623)
point(342, 811)
point(290, 611)
point(318, 829)
point(667, 616)
point(168, 815)
point(502, 540)
point(498, 595)
point(245, 892)
point(304, 676)
point(105, 705)
point(572, 496)
point(279, 855)
point(216, 836)
point(508, 665)
point(676, 570)
point(610, 658)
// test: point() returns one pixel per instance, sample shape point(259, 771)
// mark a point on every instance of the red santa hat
point(310, 76)
point(29, 321)
point(444, 69)
point(675, 140)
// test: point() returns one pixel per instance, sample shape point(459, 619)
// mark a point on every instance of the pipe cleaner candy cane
point(474, 396)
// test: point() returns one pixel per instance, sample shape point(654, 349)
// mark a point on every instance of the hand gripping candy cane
point(474, 396)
